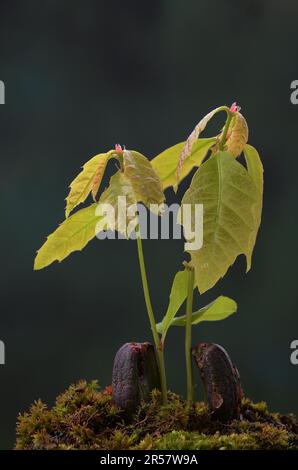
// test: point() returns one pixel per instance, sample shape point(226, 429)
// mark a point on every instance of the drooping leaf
point(192, 138)
point(72, 235)
point(138, 183)
point(120, 196)
point(237, 135)
point(78, 229)
point(177, 297)
point(219, 309)
point(165, 164)
point(228, 195)
point(87, 180)
point(99, 174)
point(124, 191)
point(255, 169)
point(143, 178)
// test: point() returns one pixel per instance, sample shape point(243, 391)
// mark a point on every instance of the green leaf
point(72, 235)
point(99, 174)
point(228, 195)
point(120, 195)
point(219, 309)
point(78, 229)
point(177, 297)
point(187, 148)
point(143, 178)
point(237, 135)
point(88, 179)
point(138, 183)
point(165, 164)
point(255, 169)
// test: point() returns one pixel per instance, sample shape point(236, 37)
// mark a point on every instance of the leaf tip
point(37, 265)
point(248, 264)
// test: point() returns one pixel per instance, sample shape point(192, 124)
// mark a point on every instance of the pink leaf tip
point(118, 148)
point(234, 108)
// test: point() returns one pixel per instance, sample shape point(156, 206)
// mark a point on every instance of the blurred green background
point(81, 76)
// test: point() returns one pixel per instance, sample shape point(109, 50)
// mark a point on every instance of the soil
point(84, 417)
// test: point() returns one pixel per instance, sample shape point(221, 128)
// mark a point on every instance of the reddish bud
point(234, 108)
point(118, 148)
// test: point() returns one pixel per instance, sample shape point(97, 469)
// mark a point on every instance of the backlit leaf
point(187, 148)
point(78, 229)
point(255, 169)
point(138, 183)
point(99, 174)
point(228, 195)
point(124, 191)
point(237, 135)
point(219, 309)
point(72, 235)
point(120, 195)
point(87, 180)
point(143, 178)
point(165, 164)
point(177, 297)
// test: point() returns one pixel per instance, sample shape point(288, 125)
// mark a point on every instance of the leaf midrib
point(218, 208)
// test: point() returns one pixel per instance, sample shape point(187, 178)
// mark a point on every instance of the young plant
point(230, 193)
point(135, 181)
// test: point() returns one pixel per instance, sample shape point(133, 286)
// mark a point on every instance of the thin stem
point(189, 374)
point(226, 128)
point(162, 373)
point(157, 341)
point(146, 290)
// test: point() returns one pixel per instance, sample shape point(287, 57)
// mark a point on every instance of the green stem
point(157, 341)
point(188, 358)
point(162, 373)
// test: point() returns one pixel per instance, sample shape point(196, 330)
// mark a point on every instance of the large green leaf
point(228, 195)
point(219, 309)
point(187, 148)
point(87, 180)
point(143, 178)
point(72, 235)
point(255, 169)
point(165, 164)
point(177, 297)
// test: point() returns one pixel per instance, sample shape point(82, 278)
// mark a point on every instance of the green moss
point(266, 438)
point(85, 418)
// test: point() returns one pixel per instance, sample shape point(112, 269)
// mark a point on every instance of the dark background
point(81, 76)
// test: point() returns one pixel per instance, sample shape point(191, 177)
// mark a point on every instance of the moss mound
point(86, 418)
